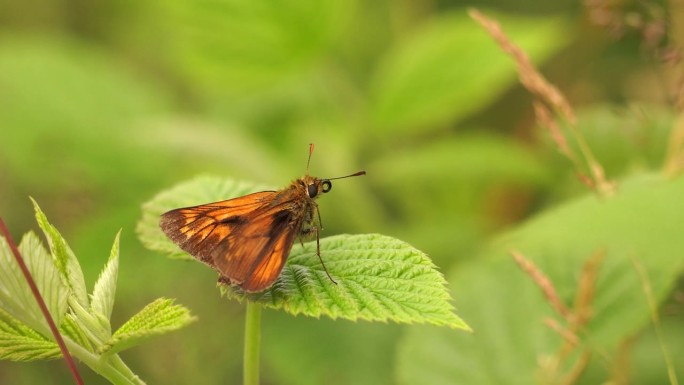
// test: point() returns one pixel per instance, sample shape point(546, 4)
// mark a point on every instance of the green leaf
point(93, 120)
point(203, 189)
point(643, 221)
point(450, 68)
point(505, 310)
point(15, 294)
point(71, 329)
point(102, 301)
point(239, 46)
point(46, 276)
point(19, 342)
point(624, 139)
point(63, 258)
point(476, 163)
point(379, 278)
point(471, 158)
point(159, 317)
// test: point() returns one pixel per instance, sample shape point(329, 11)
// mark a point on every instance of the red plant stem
point(41, 303)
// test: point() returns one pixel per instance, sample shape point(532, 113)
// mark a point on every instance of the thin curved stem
point(41, 303)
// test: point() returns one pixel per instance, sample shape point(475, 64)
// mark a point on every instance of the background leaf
point(242, 47)
point(628, 225)
point(447, 70)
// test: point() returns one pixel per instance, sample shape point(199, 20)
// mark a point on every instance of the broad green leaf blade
point(15, 294)
point(203, 189)
point(102, 301)
point(19, 342)
point(504, 309)
point(450, 68)
point(379, 278)
point(63, 258)
point(643, 222)
point(159, 317)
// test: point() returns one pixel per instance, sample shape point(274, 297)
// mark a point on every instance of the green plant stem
point(252, 341)
point(117, 363)
point(111, 368)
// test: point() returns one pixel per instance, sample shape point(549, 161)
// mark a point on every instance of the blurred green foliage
point(103, 104)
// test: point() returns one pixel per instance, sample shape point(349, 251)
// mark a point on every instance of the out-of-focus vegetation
point(104, 104)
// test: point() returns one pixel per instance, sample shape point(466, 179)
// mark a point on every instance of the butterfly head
point(313, 187)
point(319, 186)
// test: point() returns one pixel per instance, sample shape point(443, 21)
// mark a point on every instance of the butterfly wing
point(269, 238)
point(247, 239)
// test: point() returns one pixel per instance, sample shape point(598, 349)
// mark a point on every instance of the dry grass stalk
point(548, 95)
point(543, 282)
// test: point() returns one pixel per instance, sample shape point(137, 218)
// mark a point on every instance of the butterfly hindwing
point(274, 252)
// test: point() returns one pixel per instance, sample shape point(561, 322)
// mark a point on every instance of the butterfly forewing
point(246, 239)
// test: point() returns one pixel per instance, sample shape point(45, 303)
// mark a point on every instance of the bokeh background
point(104, 104)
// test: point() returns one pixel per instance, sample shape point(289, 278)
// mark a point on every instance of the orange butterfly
point(248, 239)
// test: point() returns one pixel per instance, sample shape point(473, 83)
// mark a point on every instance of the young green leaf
point(104, 292)
point(159, 317)
point(19, 342)
point(71, 329)
point(16, 296)
point(63, 257)
point(86, 330)
point(379, 278)
point(46, 276)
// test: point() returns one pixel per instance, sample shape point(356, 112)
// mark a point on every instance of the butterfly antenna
point(349, 176)
point(311, 148)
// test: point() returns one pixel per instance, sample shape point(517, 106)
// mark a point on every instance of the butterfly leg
point(320, 222)
point(226, 281)
point(318, 249)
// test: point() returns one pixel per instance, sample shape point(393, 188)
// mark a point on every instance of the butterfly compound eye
point(312, 190)
point(327, 186)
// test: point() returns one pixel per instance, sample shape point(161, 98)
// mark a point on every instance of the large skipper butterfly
point(248, 239)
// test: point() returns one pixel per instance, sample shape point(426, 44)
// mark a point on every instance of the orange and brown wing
point(259, 256)
point(246, 239)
